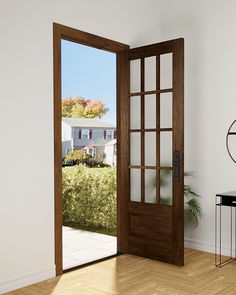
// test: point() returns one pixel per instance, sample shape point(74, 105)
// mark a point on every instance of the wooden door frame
point(61, 32)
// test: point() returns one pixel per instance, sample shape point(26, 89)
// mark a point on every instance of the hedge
point(80, 157)
point(89, 196)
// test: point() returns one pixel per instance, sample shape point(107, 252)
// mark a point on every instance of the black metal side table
point(229, 200)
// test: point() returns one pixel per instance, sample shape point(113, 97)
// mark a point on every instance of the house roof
point(88, 147)
point(82, 122)
point(112, 142)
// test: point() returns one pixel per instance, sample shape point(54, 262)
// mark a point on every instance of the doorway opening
point(89, 153)
point(87, 143)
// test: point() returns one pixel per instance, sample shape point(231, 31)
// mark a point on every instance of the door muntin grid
point(151, 109)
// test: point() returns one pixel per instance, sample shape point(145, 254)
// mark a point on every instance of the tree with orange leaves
point(80, 107)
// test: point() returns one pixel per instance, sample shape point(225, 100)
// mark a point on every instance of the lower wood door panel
point(148, 248)
point(148, 232)
point(150, 227)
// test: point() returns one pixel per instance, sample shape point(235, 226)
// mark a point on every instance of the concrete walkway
point(80, 247)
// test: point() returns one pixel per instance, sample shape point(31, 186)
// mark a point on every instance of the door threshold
point(92, 262)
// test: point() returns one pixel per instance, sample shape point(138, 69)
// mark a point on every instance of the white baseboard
point(26, 280)
point(205, 247)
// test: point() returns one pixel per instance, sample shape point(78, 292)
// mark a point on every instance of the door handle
point(176, 166)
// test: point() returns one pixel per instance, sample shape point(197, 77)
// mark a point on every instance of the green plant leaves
point(192, 205)
point(89, 196)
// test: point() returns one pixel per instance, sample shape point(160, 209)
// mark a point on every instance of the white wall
point(26, 113)
point(210, 99)
point(26, 118)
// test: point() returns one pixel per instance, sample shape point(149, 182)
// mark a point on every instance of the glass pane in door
point(135, 148)
point(150, 148)
point(166, 71)
point(166, 187)
point(166, 110)
point(150, 186)
point(150, 73)
point(135, 185)
point(135, 76)
point(135, 112)
point(150, 111)
point(166, 149)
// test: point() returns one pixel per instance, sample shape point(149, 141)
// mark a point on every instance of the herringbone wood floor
point(131, 275)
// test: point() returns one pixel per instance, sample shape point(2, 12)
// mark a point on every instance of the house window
point(92, 152)
point(80, 134)
point(85, 134)
point(90, 133)
point(109, 134)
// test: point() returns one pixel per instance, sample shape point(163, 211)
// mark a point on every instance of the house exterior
point(110, 152)
point(92, 135)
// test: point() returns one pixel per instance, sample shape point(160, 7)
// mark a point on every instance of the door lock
point(176, 164)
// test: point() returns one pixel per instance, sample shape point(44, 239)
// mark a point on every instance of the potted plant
point(192, 206)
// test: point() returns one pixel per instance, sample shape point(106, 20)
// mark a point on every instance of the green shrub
point(80, 157)
point(76, 155)
point(89, 197)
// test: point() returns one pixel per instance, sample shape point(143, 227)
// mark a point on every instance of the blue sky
point(90, 73)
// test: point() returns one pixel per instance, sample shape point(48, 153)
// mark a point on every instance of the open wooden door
point(151, 157)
